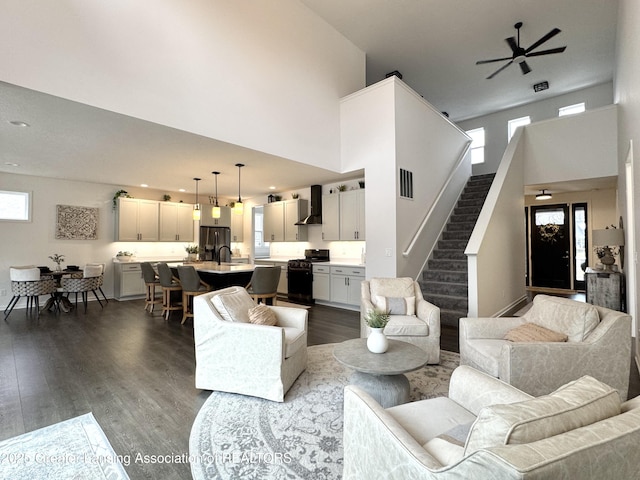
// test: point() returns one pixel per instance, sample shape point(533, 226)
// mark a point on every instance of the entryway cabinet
point(176, 222)
point(137, 220)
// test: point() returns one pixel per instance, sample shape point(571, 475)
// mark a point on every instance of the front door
point(550, 266)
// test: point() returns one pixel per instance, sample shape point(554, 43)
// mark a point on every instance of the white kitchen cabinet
point(206, 220)
point(331, 217)
point(294, 211)
point(176, 222)
point(128, 281)
point(237, 228)
point(321, 282)
point(273, 222)
point(345, 284)
point(137, 220)
point(352, 215)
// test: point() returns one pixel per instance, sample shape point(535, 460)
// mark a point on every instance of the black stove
point(300, 275)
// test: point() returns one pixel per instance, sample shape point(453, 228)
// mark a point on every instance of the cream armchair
point(418, 321)
point(599, 345)
point(487, 429)
point(234, 355)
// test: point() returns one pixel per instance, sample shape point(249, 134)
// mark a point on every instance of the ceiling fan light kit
point(520, 55)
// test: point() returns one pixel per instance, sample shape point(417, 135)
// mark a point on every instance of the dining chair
point(89, 282)
point(192, 286)
point(26, 281)
point(169, 284)
point(264, 284)
point(151, 281)
point(101, 281)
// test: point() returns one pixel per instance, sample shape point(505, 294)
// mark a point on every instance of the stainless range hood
point(315, 218)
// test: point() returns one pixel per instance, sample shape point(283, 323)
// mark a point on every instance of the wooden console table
point(606, 289)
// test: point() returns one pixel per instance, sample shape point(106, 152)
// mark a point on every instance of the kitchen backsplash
point(338, 250)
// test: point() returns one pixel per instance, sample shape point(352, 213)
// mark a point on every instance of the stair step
point(456, 235)
point(461, 227)
point(471, 210)
point(452, 317)
point(452, 244)
point(473, 195)
point(470, 202)
point(448, 302)
point(448, 254)
point(444, 276)
point(463, 218)
point(447, 265)
point(446, 288)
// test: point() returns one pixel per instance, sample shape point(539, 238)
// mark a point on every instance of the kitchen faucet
point(220, 252)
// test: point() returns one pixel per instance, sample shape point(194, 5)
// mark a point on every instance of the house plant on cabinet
point(376, 320)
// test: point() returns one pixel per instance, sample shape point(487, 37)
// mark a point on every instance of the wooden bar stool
point(151, 281)
point(192, 286)
point(169, 284)
point(264, 284)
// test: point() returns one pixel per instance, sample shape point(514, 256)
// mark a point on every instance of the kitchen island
point(223, 275)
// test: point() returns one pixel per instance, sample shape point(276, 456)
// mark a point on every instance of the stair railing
point(430, 212)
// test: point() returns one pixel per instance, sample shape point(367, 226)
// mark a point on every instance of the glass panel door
point(580, 244)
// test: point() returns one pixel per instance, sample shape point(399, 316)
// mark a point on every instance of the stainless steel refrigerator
point(212, 241)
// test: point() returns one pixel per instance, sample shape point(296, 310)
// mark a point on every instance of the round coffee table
point(381, 374)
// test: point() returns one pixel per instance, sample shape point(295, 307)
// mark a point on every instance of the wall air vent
point(406, 184)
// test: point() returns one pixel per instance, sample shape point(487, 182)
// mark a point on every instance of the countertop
point(213, 267)
point(338, 262)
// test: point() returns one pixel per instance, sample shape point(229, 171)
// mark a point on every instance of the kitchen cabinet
point(176, 222)
point(321, 282)
point(331, 217)
point(294, 211)
point(128, 281)
point(280, 220)
point(137, 220)
point(206, 220)
point(237, 228)
point(345, 284)
point(352, 215)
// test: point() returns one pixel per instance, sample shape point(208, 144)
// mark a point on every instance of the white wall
point(262, 74)
point(495, 124)
point(572, 147)
point(627, 96)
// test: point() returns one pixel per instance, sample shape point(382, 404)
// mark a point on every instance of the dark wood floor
point(134, 371)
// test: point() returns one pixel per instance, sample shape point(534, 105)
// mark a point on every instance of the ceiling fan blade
point(512, 43)
point(548, 36)
point(524, 67)
point(546, 52)
point(481, 62)
point(499, 70)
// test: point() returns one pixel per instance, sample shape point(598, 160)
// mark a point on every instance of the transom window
point(477, 145)
point(517, 122)
point(15, 206)
point(571, 109)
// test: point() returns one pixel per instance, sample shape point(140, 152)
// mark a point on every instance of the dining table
point(58, 297)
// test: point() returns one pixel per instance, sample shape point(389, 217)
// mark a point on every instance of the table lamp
point(607, 238)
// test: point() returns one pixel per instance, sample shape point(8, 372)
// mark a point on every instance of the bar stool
point(26, 282)
point(264, 284)
point(169, 284)
point(192, 286)
point(151, 281)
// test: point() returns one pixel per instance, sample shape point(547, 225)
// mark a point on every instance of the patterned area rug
point(74, 449)
point(236, 436)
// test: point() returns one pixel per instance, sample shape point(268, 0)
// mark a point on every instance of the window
point(15, 206)
point(571, 109)
point(517, 122)
point(477, 145)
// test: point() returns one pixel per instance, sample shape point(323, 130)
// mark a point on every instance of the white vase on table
point(377, 341)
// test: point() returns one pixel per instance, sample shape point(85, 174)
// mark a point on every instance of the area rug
point(74, 449)
point(236, 436)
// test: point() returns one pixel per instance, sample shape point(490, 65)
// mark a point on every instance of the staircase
point(444, 281)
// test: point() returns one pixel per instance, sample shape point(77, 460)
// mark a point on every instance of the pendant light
point(543, 195)
point(215, 210)
point(238, 208)
point(196, 209)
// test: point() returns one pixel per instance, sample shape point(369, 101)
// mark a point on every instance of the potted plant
point(376, 320)
point(342, 188)
point(192, 252)
point(118, 194)
point(58, 259)
point(124, 256)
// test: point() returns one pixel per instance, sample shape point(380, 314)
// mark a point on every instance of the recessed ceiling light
point(144, 185)
point(272, 187)
point(11, 164)
point(19, 123)
point(181, 190)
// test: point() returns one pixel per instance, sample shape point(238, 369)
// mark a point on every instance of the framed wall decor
point(76, 223)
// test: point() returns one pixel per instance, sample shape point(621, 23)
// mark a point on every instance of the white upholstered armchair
point(413, 319)
point(598, 344)
point(235, 355)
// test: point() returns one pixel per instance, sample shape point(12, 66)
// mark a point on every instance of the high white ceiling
point(433, 43)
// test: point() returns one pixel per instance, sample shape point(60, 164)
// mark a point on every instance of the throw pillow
point(448, 447)
point(262, 315)
point(530, 332)
point(396, 305)
point(574, 405)
point(234, 306)
point(577, 320)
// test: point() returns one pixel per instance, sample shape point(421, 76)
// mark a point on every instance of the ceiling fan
point(520, 54)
